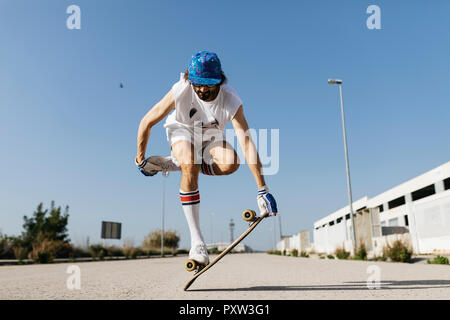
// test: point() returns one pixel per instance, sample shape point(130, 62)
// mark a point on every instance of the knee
point(227, 169)
point(183, 153)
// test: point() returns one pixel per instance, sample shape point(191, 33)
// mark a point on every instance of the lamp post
point(231, 225)
point(164, 174)
point(349, 187)
point(212, 224)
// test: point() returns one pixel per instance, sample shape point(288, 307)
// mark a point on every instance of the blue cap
point(205, 69)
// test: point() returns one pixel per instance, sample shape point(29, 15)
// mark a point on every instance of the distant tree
point(52, 227)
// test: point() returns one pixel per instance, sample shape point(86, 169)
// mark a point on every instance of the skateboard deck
point(252, 226)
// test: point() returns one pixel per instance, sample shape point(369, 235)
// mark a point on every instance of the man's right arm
point(155, 115)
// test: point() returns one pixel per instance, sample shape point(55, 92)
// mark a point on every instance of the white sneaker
point(199, 253)
point(166, 163)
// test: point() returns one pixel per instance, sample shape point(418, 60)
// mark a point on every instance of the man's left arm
point(266, 201)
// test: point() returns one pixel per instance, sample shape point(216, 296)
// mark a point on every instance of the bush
point(304, 254)
point(114, 251)
point(213, 250)
point(398, 252)
point(80, 253)
point(438, 260)
point(131, 252)
point(294, 252)
point(97, 251)
point(20, 253)
point(276, 252)
point(63, 249)
point(381, 258)
point(6, 247)
point(153, 240)
point(44, 251)
point(153, 252)
point(341, 254)
point(330, 256)
point(361, 253)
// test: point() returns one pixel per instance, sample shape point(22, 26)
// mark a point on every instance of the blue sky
point(68, 132)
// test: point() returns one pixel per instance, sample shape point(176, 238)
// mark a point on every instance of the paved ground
point(238, 276)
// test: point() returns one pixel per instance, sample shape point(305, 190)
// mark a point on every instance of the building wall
point(299, 242)
point(220, 246)
point(327, 239)
point(427, 219)
point(430, 227)
point(367, 226)
point(380, 242)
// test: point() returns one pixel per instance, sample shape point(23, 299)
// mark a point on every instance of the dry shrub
point(153, 241)
point(44, 251)
point(20, 253)
point(398, 251)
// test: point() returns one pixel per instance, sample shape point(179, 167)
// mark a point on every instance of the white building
point(220, 246)
point(420, 206)
point(299, 241)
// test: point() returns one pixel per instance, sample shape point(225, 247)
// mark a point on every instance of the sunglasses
point(204, 85)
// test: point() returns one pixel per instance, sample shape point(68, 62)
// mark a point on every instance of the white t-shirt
point(190, 109)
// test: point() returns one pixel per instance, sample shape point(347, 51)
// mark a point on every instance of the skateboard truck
point(192, 265)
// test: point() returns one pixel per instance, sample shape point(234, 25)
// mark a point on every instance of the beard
point(208, 95)
point(204, 95)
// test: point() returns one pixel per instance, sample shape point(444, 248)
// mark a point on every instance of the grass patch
point(341, 254)
point(361, 253)
point(438, 260)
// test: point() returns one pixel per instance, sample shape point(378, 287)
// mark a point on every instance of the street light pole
point(164, 174)
point(212, 223)
point(349, 186)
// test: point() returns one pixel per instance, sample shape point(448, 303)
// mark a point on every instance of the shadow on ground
point(347, 286)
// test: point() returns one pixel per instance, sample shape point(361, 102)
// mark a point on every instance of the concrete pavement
point(236, 276)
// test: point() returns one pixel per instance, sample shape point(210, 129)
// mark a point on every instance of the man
point(203, 103)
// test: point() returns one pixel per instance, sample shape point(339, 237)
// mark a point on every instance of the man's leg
point(219, 158)
point(183, 151)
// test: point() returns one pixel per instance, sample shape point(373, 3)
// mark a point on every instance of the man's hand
point(266, 203)
point(146, 168)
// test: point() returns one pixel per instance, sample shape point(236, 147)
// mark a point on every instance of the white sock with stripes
point(191, 207)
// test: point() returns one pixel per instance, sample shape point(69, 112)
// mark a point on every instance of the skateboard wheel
point(190, 265)
point(249, 215)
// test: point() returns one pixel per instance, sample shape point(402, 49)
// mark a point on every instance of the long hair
point(224, 78)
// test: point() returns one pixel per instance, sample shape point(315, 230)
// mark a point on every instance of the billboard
point(111, 230)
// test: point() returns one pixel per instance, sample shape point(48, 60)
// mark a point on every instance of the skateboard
point(191, 265)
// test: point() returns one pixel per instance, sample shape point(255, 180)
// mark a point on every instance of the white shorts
point(200, 141)
point(176, 133)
